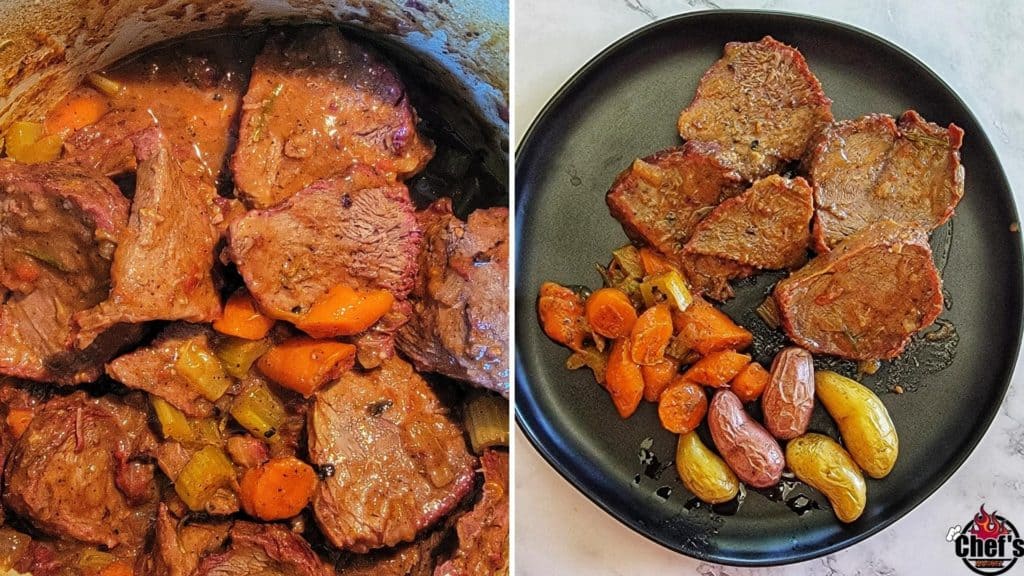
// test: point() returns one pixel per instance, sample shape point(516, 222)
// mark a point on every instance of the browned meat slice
point(415, 559)
point(660, 199)
point(21, 554)
point(247, 451)
point(194, 93)
point(178, 547)
point(378, 343)
point(59, 224)
point(397, 463)
point(172, 456)
point(768, 227)
point(761, 103)
point(78, 471)
point(163, 268)
point(327, 234)
point(317, 103)
point(865, 298)
point(151, 368)
point(264, 550)
point(872, 169)
point(459, 326)
point(483, 532)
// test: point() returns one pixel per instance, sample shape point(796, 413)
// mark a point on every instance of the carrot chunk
point(76, 110)
point(345, 311)
point(623, 379)
point(561, 314)
point(653, 261)
point(651, 334)
point(242, 318)
point(706, 329)
point(305, 365)
point(718, 368)
point(657, 377)
point(610, 313)
point(277, 489)
point(682, 406)
point(750, 382)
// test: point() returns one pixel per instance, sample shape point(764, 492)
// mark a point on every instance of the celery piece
point(173, 423)
point(203, 370)
point(239, 354)
point(259, 411)
point(208, 471)
point(669, 286)
point(486, 419)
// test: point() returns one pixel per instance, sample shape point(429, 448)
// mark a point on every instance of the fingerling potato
point(748, 449)
point(788, 400)
point(703, 472)
point(863, 421)
point(823, 464)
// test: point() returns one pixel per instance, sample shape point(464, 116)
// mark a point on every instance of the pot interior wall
point(49, 45)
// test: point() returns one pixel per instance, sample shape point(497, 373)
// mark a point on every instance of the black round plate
point(624, 104)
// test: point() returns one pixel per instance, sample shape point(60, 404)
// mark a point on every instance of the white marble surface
point(978, 48)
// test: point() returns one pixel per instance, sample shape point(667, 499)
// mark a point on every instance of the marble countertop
point(973, 46)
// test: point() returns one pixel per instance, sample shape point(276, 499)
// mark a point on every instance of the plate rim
point(521, 381)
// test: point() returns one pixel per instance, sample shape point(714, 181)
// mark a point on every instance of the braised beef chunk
point(59, 224)
point(768, 227)
point(264, 550)
point(194, 94)
point(660, 199)
point(163, 268)
point(179, 546)
point(318, 102)
point(152, 368)
point(79, 471)
point(761, 103)
point(483, 532)
point(871, 169)
point(397, 463)
point(865, 298)
point(459, 326)
point(325, 235)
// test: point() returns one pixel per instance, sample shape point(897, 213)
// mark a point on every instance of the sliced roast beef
point(761, 103)
point(768, 227)
point(163, 269)
point(179, 546)
point(660, 199)
point(330, 233)
point(264, 550)
point(59, 224)
point(152, 368)
point(318, 102)
point(193, 94)
point(79, 471)
point(459, 325)
point(483, 532)
point(396, 463)
point(865, 298)
point(872, 169)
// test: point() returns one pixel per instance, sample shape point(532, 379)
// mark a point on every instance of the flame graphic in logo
point(987, 526)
